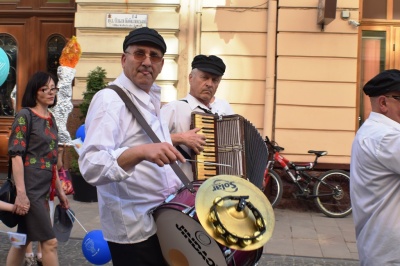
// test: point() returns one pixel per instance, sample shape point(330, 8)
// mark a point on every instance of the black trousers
point(146, 253)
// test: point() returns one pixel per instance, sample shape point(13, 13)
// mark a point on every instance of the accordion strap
point(139, 117)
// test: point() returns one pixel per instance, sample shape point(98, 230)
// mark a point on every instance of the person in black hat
point(132, 174)
point(204, 79)
point(375, 173)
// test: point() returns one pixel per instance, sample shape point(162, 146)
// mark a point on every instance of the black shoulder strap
point(139, 117)
point(207, 111)
point(27, 144)
point(183, 152)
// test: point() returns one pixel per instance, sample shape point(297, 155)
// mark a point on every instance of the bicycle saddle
point(318, 153)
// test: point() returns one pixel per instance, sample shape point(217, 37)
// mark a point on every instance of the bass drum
point(184, 241)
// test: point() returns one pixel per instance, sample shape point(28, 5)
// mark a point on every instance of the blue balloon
point(95, 248)
point(4, 66)
point(80, 132)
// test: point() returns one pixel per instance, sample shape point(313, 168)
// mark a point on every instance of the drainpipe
point(199, 9)
point(269, 100)
point(193, 39)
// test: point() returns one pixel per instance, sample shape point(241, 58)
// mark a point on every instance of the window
point(55, 45)
point(381, 9)
point(373, 61)
point(396, 9)
point(373, 50)
point(374, 9)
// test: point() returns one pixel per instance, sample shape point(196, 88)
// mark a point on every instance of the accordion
point(233, 142)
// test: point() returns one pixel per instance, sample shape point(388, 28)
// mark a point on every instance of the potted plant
point(94, 83)
point(84, 191)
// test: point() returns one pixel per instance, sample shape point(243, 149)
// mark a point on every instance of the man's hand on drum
point(194, 141)
point(162, 153)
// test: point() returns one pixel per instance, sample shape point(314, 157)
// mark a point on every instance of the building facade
point(297, 81)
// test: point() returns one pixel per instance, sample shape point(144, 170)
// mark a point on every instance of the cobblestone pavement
point(70, 254)
point(299, 238)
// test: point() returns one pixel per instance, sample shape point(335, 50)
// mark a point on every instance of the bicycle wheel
point(333, 194)
point(272, 187)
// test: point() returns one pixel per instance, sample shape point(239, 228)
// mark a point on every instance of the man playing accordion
point(204, 79)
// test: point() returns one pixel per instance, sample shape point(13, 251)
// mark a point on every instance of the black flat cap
point(384, 82)
point(212, 64)
point(145, 35)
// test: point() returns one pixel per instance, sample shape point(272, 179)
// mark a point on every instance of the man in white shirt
point(375, 174)
point(204, 79)
point(221, 106)
point(132, 174)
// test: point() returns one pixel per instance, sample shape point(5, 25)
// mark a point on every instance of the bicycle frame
point(284, 163)
point(329, 190)
point(299, 170)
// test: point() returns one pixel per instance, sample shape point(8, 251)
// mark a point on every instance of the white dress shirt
point(125, 197)
point(375, 190)
point(221, 107)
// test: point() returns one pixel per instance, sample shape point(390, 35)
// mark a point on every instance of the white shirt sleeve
point(104, 139)
point(178, 116)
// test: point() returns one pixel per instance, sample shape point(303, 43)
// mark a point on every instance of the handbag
point(65, 179)
point(8, 193)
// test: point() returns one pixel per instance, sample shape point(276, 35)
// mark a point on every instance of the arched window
point(55, 45)
point(8, 90)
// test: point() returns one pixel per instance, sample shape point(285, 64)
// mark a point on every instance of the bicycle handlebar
point(300, 167)
point(274, 145)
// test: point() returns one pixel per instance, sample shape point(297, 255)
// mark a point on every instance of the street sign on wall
point(126, 21)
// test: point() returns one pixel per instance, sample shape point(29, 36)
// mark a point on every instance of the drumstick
point(220, 164)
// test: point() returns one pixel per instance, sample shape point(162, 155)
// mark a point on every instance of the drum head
point(183, 240)
point(254, 220)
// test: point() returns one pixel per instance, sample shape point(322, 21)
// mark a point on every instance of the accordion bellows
point(231, 140)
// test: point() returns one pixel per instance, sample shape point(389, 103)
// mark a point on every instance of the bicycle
point(331, 190)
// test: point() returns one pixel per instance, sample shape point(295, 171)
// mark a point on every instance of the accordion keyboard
point(206, 124)
point(230, 140)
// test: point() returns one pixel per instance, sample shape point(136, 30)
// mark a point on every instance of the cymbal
point(234, 212)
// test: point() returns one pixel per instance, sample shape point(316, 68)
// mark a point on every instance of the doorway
point(33, 41)
point(380, 50)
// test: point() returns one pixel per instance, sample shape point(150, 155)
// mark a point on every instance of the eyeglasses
point(396, 97)
point(140, 56)
point(46, 89)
